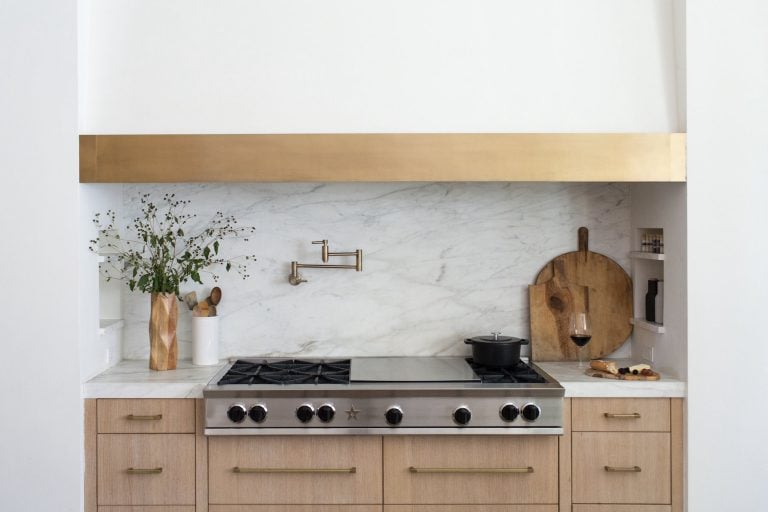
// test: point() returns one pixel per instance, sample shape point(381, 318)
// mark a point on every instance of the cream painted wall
point(727, 293)
point(40, 406)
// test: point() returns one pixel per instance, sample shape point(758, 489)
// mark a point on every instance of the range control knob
point(236, 413)
point(509, 412)
point(394, 415)
point(258, 413)
point(325, 413)
point(531, 412)
point(305, 413)
point(462, 415)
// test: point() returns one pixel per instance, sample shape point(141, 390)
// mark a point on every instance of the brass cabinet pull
point(527, 469)
point(154, 417)
point(144, 471)
point(635, 415)
point(630, 469)
point(238, 469)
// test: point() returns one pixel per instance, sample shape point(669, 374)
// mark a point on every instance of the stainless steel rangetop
point(381, 395)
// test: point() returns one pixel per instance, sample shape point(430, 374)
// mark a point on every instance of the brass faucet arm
point(295, 278)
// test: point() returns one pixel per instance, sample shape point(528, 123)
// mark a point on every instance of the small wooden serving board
point(627, 376)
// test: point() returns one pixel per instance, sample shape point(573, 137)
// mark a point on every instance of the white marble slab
point(134, 379)
point(443, 261)
point(579, 385)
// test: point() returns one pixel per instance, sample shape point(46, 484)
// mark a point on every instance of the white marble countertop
point(579, 385)
point(134, 379)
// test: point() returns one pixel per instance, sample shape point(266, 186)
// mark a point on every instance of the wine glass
point(581, 333)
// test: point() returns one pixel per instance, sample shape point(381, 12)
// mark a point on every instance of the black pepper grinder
point(650, 300)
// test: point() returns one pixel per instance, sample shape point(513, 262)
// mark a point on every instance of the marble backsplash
point(442, 261)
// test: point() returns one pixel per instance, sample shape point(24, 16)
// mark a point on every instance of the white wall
point(727, 296)
point(251, 66)
point(41, 418)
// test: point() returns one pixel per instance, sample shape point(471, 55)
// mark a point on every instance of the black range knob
point(325, 413)
point(462, 415)
point(305, 413)
point(236, 413)
point(258, 413)
point(509, 412)
point(394, 415)
point(531, 412)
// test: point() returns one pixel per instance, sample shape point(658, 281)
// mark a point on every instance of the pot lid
point(496, 337)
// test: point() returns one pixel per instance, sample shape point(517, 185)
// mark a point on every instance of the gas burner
point(286, 372)
point(519, 373)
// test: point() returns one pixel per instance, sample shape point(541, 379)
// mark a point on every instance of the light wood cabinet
point(146, 469)
point(622, 508)
point(627, 455)
point(144, 455)
point(472, 508)
point(294, 508)
point(621, 467)
point(621, 415)
point(146, 416)
point(391, 473)
point(470, 469)
point(149, 508)
point(295, 470)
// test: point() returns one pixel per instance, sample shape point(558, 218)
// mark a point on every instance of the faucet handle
point(325, 248)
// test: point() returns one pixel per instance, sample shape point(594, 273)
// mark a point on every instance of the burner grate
point(520, 373)
point(286, 372)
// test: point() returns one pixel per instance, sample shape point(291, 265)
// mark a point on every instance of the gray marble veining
point(443, 261)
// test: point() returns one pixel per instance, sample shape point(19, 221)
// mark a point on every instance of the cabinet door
point(146, 416)
point(150, 508)
point(470, 469)
point(622, 508)
point(621, 467)
point(621, 414)
point(146, 469)
point(294, 470)
point(294, 508)
point(474, 508)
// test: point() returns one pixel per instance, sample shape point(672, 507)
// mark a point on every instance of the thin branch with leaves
point(158, 255)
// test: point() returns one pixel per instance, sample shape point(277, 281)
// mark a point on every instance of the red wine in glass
point(580, 339)
point(581, 333)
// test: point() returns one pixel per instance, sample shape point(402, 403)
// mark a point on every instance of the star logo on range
point(352, 413)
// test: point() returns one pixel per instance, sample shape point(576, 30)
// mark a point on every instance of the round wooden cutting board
point(575, 281)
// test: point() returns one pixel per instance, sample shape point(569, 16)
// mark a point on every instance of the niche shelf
point(648, 326)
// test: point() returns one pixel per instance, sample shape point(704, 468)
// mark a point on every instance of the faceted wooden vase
point(163, 349)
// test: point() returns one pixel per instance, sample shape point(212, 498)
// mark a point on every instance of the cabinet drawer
point(625, 467)
point(475, 508)
point(622, 508)
point(621, 414)
point(470, 469)
point(146, 469)
point(139, 508)
point(294, 508)
point(294, 469)
point(146, 416)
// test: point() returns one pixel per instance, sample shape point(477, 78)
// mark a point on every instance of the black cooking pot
point(496, 350)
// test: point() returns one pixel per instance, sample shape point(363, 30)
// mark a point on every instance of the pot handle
point(523, 341)
point(468, 341)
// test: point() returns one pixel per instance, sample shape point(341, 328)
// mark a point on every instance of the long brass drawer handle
point(527, 469)
point(144, 471)
point(635, 415)
point(238, 469)
point(630, 469)
point(154, 417)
